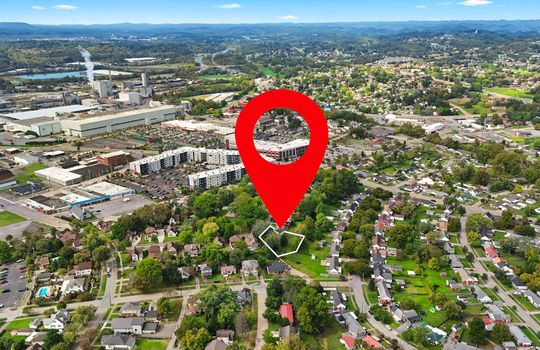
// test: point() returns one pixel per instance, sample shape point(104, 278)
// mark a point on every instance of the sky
point(260, 11)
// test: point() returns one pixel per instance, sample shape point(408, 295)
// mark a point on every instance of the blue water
point(53, 75)
point(43, 292)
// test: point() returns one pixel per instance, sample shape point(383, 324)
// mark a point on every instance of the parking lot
point(14, 284)
point(118, 206)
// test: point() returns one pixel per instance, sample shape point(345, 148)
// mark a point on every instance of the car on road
point(23, 289)
point(6, 290)
point(387, 326)
point(3, 281)
point(1, 306)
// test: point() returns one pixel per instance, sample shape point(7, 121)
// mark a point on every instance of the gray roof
point(125, 323)
point(337, 298)
point(284, 332)
point(122, 340)
point(216, 344)
point(518, 334)
point(47, 112)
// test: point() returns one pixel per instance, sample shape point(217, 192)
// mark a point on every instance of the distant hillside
point(14, 30)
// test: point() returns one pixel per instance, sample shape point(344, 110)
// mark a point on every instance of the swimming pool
point(43, 292)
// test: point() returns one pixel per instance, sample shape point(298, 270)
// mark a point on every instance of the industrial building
point(61, 176)
point(41, 126)
point(103, 88)
point(169, 159)
point(430, 129)
point(110, 190)
point(85, 127)
point(114, 159)
point(217, 177)
point(46, 112)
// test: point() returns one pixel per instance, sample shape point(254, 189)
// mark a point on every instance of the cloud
point(65, 7)
point(230, 6)
point(421, 6)
point(38, 8)
point(288, 18)
point(475, 2)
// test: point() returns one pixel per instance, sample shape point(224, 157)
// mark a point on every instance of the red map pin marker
point(281, 186)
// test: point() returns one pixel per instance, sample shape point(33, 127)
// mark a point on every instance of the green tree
point(477, 331)
point(101, 254)
point(148, 273)
point(52, 338)
point(400, 235)
point(501, 333)
point(312, 314)
point(477, 220)
point(452, 310)
point(5, 252)
point(205, 205)
point(195, 339)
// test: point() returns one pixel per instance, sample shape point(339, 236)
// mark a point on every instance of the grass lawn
point(523, 301)
point(28, 174)
point(102, 286)
point(284, 242)
point(531, 335)
point(8, 218)
point(536, 317)
point(303, 262)
point(491, 294)
point(434, 319)
point(330, 335)
point(511, 92)
point(151, 344)
point(20, 323)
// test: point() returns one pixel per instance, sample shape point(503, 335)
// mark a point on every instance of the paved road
point(358, 292)
point(33, 215)
point(491, 284)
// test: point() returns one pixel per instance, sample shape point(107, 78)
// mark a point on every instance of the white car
point(1, 306)
point(388, 327)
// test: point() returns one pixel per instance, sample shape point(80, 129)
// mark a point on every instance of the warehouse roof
point(46, 112)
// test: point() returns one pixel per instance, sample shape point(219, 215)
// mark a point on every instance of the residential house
point(83, 269)
point(348, 342)
point(250, 267)
point(496, 315)
point(518, 283)
point(333, 267)
point(206, 271)
point(57, 321)
point(411, 316)
point(396, 312)
point(43, 262)
point(372, 343)
point(130, 325)
point(533, 297)
point(216, 344)
point(454, 261)
point(334, 250)
point(72, 286)
point(244, 297)
point(338, 301)
point(225, 335)
point(117, 342)
point(134, 253)
point(192, 307)
point(192, 250)
point(80, 213)
point(353, 326)
point(481, 296)
point(132, 309)
point(385, 297)
point(186, 272)
point(286, 311)
point(154, 252)
point(278, 268)
point(521, 339)
point(287, 331)
point(228, 270)
point(171, 249)
point(251, 242)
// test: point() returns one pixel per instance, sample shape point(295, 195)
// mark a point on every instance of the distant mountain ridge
point(19, 30)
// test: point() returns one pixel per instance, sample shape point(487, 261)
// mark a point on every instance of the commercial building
point(46, 112)
point(110, 190)
point(59, 175)
point(42, 126)
point(169, 159)
point(277, 151)
point(114, 159)
point(25, 159)
point(218, 177)
point(113, 122)
point(430, 129)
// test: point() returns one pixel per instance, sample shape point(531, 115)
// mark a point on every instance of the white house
point(57, 321)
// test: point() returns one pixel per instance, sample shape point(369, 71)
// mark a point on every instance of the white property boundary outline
point(288, 232)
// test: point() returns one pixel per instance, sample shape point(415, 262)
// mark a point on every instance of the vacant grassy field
point(511, 92)
point(28, 174)
point(151, 344)
point(19, 323)
point(8, 218)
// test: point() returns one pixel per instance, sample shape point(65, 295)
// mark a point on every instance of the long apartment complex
point(217, 177)
point(169, 159)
